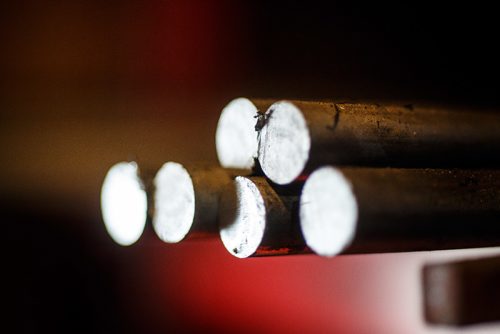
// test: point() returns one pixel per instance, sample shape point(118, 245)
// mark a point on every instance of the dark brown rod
point(299, 136)
point(236, 135)
point(255, 221)
point(373, 210)
point(462, 292)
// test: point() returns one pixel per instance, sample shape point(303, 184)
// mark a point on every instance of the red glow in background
point(87, 84)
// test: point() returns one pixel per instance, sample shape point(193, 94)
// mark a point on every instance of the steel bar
point(373, 210)
point(299, 136)
point(124, 203)
point(256, 221)
point(236, 135)
point(186, 200)
point(463, 292)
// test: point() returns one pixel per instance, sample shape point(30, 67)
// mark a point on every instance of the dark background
point(85, 84)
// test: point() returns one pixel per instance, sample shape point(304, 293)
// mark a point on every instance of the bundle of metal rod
point(124, 203)
point(256, 221)
point(464, 292)
point(186, 200)
point(371, 210)
point(296, 137)
point(236, 137)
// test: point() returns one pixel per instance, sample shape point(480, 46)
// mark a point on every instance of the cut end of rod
point(174, 202)
point(284, 143)
point(235, 137)
point(328, 212)
point(124, 203)
point(242, 218)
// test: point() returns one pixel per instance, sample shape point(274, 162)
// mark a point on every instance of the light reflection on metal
point(243, 218)
point(256, 221)
point(235, 137)
point(174, 202)
point(328, 212)
point(284, 143)
point(124, 203)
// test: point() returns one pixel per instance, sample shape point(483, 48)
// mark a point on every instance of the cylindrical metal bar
point(236, 135)
point(463, 292)
point(371, 210)
point(124, 203)
point(255, 221)
point(300, 136)
point(186, 200)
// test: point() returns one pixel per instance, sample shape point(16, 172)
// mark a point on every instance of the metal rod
point(236, 136)
point(186, 200)
point(255, 221)
point(463, 292)
point(373, 210)
point(299, 136)
point(124, 203)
